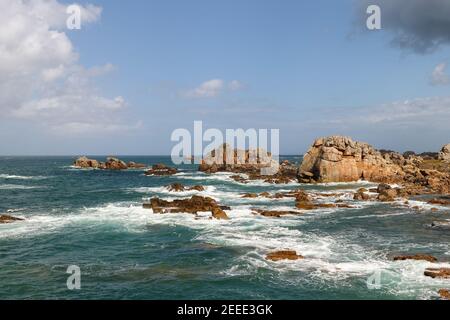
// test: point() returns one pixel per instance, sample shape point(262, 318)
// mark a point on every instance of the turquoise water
point(94, 219)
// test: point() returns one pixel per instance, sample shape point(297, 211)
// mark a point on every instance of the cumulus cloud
point(421, 26)
point(41, 79)
point(213, 88)
point(439, 75)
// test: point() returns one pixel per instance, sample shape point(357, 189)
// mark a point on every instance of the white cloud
point(41, 79)
point(439, 76)
point(213, 88)
point(210, 88)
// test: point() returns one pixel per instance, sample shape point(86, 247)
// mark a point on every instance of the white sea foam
point(17, 177)
point(127, 216)
point(18, 187)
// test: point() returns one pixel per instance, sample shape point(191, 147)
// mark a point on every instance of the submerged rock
point(424, 257)
point(161, 170)
point(283, 255)
point(439, 201)
point(443, 225)
point(4, 218)
point(438, 273)
point(274, 213)
point(361, 195)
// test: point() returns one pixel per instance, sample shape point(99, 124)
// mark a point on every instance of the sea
point(94, 220)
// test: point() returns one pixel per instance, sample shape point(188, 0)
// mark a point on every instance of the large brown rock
point(192, 205)
point(340, 159)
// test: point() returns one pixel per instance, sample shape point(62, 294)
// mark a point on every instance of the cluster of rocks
point(441, 273)
point(111, 163)
point(5, 218)
point(257, 164)
point(161, 169)
point(340, 159)
point(193, 205)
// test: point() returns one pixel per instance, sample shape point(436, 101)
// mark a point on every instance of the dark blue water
point(94, 219)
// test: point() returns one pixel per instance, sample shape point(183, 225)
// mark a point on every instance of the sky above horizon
point(138, 70)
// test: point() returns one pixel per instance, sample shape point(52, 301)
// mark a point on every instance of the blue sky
point(308, 68)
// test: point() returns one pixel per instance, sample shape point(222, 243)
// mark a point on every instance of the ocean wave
point(127, 216)
point(18, 187)
point(17, 177)
point(331, 259)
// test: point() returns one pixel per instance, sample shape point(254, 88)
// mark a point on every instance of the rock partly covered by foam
point(111, 163)
point(445, 153)
point(192, 205)
point(340, 159)
point(178, 187)
point(161, 169)
point(4, 218)
point(283, 255)
point(443, 273)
